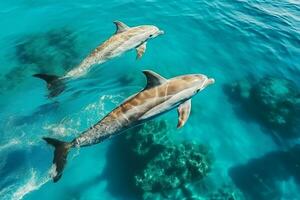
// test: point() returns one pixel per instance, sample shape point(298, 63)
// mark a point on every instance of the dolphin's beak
point(160, 32)
point(209, 82)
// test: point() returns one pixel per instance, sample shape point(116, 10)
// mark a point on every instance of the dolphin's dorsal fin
point(184, 111)
point(120, 27)
point(153, 79)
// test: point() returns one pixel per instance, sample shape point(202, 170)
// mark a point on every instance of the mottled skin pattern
point(116, 45)
point(143, 106)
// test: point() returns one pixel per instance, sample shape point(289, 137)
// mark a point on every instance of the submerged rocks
point(174, 167)
point(275, 102)
point(149, 138)
point(167, 165)
point(279, 100)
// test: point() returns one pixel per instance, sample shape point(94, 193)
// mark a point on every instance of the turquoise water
point(250, 127)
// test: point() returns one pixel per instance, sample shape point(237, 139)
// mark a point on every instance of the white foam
point(11, 143)
point(53, 171)
point(32, 184)
point(99, 107)
point(59, 129)
point(71, 126)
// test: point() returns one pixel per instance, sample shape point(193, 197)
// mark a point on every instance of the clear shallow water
point(227, 40)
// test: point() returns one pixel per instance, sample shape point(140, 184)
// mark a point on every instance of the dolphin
point(124, 39)
point(159, 96)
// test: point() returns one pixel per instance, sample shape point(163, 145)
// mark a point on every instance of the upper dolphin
point(159, 96)
point(124, 39)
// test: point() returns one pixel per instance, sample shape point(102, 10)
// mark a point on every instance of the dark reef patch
point(145, 163)
point(174, 167)
point(273, 102)
point(52, 52)
point(260, 178)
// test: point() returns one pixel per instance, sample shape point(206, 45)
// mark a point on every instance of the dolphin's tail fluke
point(60, 155)
point(55, 85)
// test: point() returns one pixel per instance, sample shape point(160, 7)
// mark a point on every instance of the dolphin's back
point(135, 108)
point(112, 47)
point(127, 115)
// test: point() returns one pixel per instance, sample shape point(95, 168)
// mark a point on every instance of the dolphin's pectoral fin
point(120, 27)
point(153, 79)
point(140, 50)
point(183, 113)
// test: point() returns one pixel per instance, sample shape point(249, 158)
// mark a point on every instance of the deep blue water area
point(241, 140)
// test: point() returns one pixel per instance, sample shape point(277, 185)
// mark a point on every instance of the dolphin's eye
point(150, 35)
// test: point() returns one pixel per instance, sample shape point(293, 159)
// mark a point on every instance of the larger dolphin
point(159, 96)
point(124, 39)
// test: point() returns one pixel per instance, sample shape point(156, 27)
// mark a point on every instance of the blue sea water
point(229, 40)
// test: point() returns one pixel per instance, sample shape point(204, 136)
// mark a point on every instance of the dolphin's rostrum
point(159, 96)
point(124, 39)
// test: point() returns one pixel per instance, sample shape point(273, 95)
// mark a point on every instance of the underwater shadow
point(40, 111)
point(14, 163)
point(259, 178)
point(121, 168)
point(75, 192)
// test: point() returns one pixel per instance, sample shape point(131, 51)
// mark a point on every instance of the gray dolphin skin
point(159, 96)
point(124, 39)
